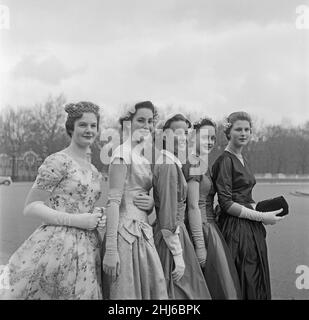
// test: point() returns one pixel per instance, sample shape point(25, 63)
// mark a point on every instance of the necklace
point(239, 156)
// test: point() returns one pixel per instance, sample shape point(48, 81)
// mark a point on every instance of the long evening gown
point(170, 194)
point(219, 271)
point(141, 275)
point(245, 238)
point(60, 262)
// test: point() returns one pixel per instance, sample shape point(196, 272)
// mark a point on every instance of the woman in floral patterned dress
point(61, 259)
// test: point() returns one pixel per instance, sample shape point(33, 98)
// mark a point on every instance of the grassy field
point(287, 241)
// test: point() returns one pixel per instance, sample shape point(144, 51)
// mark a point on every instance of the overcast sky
point(212, 56)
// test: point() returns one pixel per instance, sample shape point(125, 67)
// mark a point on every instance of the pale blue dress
point(141, 274)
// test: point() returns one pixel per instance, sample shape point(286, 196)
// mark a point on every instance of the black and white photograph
point(154, 150)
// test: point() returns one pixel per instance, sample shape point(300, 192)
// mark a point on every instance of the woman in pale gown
point(212, 252)
point(61, 259)
point(131, 265)
point(184, 277)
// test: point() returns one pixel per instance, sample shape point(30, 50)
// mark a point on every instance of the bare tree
point(48, 121)
point(303, 149)
point(15, 130)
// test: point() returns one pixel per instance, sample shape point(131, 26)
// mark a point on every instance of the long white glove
point(38, 209)
point(195, 222)
point(111, 260)
point(173, 243)
point(265, 217)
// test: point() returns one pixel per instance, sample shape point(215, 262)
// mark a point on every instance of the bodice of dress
point(73, 189)
point(138, 180)
point(206, 190)
point(234, 181)
point(170, 191)
point(206, 198)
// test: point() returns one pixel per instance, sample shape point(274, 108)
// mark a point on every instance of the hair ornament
point(76, 109)
point(204, 121)
point(129, 110)
point(226, 125)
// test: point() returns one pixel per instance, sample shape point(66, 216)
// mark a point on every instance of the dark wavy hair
point(169, 121)
point(75, 112)
point(204, 122)
point(176, 117)
point(128, 116)
point(232, 118)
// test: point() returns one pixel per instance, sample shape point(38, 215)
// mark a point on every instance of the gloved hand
point(271, 218)
point(201, 254)
point(87, 221)
point(102, 221)
point(179, 270)
point(173, 243)
point(111, 264)
point(265, 217)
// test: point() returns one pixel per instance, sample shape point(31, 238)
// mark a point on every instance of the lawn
point(287, 241)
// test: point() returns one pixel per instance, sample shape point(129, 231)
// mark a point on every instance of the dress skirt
point(219, 271)
point(246, 240)
point(192, 285)
point(55, 262)
point(141, 275)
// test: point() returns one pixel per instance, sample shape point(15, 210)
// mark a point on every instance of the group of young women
point(192, 251)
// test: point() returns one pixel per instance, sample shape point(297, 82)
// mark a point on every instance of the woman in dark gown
point(219, 269)
point(183, 275)
point(242, 226)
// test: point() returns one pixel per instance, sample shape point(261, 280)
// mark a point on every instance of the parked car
point(5, 180)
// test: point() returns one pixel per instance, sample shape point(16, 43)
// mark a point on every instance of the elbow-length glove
point(195, 222)
point(111, 260)
point(173, 243)
point(38, 209)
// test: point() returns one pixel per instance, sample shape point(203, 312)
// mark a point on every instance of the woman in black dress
point(242, 226)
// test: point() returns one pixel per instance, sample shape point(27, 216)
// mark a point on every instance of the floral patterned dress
point(59, 262)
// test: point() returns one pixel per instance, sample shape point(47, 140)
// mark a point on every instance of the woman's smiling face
point(205, 139)
point(85, 129)
point(179, 129)
point(142, 124)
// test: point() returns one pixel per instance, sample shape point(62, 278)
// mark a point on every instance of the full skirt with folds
point(55, 262)
point(192, 285)
point(246, 240)
point(219, 271)
point(141, 275)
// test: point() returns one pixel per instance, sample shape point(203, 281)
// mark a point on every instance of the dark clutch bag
point(272, 205)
